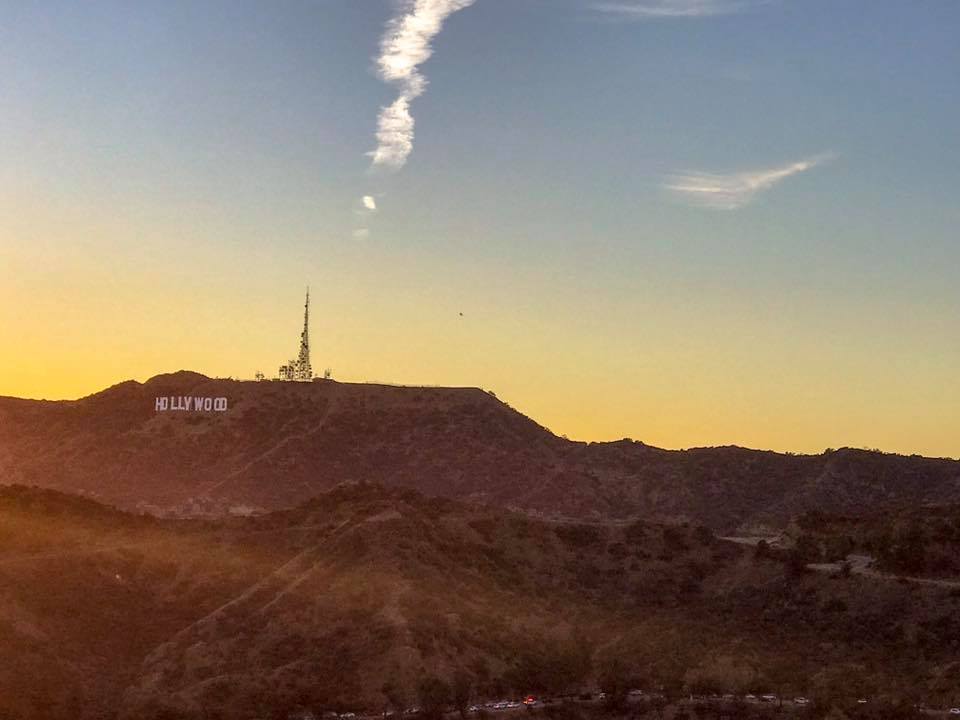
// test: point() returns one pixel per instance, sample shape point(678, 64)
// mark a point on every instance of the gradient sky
point(172, 174)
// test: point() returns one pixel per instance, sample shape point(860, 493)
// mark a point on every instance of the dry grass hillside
point(280, 444)
point(921, 542)
point(105, 614)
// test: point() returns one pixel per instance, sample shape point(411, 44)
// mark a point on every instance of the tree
point(910, 552)
point(762, 550)
point(805, 550)
point(434, 695)
point(462, 691)
point(837, 686)
point(658, 704)
point(725, 674)
point(615, 681)
point(396, 698)
point(565, 711)
point(704, 535)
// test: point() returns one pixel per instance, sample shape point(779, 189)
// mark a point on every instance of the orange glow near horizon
point(580, 376)
point(88, 300)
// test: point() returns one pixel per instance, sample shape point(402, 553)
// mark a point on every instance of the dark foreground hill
point(350, 601)
point(279, 444)
point(921, 541)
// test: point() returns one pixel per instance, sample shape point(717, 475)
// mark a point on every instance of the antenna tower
point(300, 370)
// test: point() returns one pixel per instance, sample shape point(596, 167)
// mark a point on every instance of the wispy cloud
point(732, 192)
point(404, 47)
point(654, 9)
point(364, 212)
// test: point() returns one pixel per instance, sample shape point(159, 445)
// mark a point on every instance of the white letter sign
point(185, 403)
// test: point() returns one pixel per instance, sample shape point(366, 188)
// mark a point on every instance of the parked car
point(955, 711)
point(800, 701)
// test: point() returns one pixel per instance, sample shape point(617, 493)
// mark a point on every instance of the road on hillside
point(859, 564)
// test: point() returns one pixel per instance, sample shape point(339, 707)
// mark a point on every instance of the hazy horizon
point(388, 383)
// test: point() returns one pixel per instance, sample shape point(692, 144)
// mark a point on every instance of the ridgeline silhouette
point(280, 444)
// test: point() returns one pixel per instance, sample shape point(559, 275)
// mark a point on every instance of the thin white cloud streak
point(658, 9)
point(404, 47)
point(732, 192)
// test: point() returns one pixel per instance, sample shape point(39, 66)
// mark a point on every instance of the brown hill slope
point(915, 541)
point(279, 444)
point(323, 605)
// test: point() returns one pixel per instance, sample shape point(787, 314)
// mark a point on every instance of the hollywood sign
point(190, 404)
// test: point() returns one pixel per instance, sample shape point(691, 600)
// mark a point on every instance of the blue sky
point(194, 165)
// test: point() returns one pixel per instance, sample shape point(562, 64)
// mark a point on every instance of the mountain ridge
point(278, 444)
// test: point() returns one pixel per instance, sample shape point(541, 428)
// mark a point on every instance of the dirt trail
point(306, 569)
point(862, 565)
point(76, 552)
point(332, 402)
point(754, 540)
point(279, 579)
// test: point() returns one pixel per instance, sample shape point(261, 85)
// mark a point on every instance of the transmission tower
point(300, 370)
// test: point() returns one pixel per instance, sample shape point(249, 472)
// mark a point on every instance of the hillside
point(915, 541)
point(279, 444)
point(104, 614)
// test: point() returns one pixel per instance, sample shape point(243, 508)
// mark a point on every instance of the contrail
point(404, 47)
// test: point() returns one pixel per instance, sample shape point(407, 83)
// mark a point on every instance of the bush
point(578, 536)
point(434, 694)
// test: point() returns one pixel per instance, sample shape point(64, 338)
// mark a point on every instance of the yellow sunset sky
point(693, 228)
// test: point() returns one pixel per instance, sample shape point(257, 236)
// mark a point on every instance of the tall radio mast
point(304, 371)
point(300, 370)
